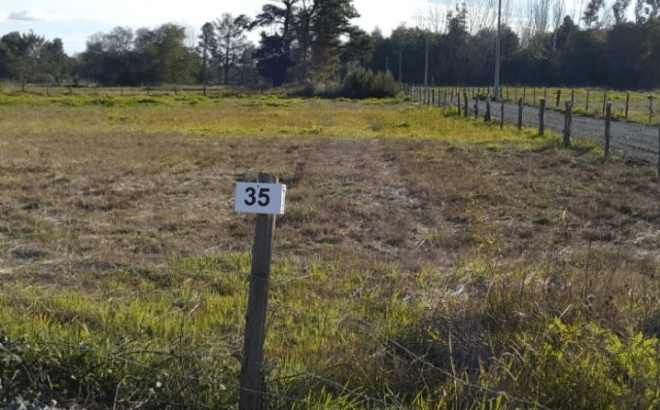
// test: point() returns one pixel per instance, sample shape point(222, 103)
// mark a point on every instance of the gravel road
point(628, 139)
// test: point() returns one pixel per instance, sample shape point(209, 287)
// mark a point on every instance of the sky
point(74, 21)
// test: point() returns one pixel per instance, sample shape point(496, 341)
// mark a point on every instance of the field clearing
point(423, 261)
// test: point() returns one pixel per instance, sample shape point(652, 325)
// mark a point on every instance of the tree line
point(314, 40)
point(590, 52)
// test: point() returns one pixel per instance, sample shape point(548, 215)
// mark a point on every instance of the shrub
point(362, 83)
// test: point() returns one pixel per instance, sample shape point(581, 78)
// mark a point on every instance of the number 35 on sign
point(260, 198)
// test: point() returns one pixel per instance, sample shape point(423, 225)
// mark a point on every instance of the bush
point(362, 83)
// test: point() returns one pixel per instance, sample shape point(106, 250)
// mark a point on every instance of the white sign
point(260, 198)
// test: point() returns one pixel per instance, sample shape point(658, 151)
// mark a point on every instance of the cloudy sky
point(75, 20)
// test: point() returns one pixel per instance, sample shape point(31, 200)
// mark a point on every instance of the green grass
point(423, 261)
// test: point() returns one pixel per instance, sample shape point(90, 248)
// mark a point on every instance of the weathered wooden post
point(458, 105)
point(520, 113)
point(650, 108)
point(502, 114)
point(476, 108)
point(572, 96)
point(587, 106)
point(265, 198)
point(542, 116)
point(627, 102)
point(558, 97)
point(604, 100)
point(608, 119)
point(487, 115)
point(465, 102)
point(567, 125)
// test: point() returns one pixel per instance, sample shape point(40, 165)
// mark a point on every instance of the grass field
point(423, 262)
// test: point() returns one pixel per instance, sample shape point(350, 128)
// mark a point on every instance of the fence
point(580, 115)
point(85, 90)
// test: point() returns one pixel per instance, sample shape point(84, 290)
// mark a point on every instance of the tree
point(358, 50)
point(330, 21)
point(619, 11)
point(206, 45)
point(590, 16)
point(456, 42)
point(274, 58)
point(54, 60)
point(164, 58)
point(311, 29)
point(282, 12)
point(231, 42)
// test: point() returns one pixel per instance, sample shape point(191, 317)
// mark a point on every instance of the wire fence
point(637, 138)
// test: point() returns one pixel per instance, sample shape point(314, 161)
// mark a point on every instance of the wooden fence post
point(558, 97)
point(650, 108)
point(567, 125)
point(251, 390)
point(458, 105)
point(604, 100)
point(608, 118)
point(627, 102)
point(520, 113)
point(476, 108)
point(587, 106)
point(502, 114)
point(542, 117)
point(487, 115)
point(572, 96)
point(465, 102)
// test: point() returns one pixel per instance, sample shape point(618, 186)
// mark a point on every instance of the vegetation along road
point(631, 139)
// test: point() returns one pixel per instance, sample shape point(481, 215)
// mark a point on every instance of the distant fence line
point(92, 90)
point(634, 106)
point(638, 137)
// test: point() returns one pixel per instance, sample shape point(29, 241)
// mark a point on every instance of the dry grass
point(413, 247)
